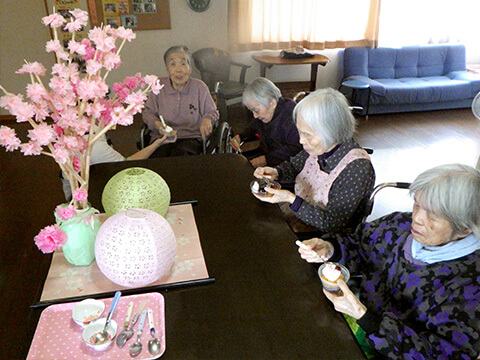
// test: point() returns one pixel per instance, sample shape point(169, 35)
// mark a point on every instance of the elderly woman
point(420, 296)
point(273, 124)
point(333, 175)
point(185, 105)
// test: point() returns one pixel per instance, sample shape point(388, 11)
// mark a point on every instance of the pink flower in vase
point(8, 138)
point(80, 195)
point(50, 238)
point(65, 213)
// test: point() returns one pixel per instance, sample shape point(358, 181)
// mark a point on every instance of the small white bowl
point(90, 331)
point(87, 311)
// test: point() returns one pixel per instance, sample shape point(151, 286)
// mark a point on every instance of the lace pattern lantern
point(135, 247)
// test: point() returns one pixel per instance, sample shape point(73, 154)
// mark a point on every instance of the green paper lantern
point(136, 188)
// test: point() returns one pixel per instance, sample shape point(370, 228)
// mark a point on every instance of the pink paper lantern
point(135, 247)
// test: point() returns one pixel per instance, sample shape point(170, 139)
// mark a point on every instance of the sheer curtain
point(419, 22)
point(313, 24)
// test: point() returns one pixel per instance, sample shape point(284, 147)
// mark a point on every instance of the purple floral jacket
point(429, 311)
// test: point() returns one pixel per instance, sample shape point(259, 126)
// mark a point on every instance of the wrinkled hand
point(345, 301)
point(235, 142)
point(259, 161)
point(278, 196)
point(320, 250)
point(268, 172)
point(206, 128)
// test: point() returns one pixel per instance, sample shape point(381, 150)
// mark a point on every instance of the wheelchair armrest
point(243, 71)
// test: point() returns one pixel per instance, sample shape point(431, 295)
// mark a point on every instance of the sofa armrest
point(462, 75)
point(375, 86)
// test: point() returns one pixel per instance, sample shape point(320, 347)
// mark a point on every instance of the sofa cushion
point(422, 90)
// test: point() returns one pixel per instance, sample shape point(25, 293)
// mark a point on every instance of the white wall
point(23, 36)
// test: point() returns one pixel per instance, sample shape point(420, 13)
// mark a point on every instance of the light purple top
point(182, 110)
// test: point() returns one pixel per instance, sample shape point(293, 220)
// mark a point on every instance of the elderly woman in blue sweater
point(420, 296)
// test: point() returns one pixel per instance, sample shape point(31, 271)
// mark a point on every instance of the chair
point(217, 143)
point(214, 65)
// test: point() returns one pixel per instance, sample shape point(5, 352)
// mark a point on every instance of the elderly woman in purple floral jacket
point(420, 296)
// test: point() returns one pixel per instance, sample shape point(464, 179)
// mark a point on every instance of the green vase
point(82, 229)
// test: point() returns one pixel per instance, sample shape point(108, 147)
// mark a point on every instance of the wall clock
point(198, 5)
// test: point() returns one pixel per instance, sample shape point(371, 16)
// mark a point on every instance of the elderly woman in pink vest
point(333, 175)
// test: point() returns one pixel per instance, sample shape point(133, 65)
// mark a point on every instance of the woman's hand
point(259, 161)
point(159, 126)
point(267, 172)
point(235, 142)
point(345, 301)
point(165, 140)
point(206, 128)
point(278, 196)
point(319, 250)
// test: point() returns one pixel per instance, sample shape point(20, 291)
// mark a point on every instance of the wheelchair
point(217, 143)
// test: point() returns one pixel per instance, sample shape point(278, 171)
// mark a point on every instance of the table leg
point(263, 70)
point(313, 77)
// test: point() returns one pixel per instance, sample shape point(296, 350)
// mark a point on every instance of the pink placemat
point(67, 281)
point(58, 337)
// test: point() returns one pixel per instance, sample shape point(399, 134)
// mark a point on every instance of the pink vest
point(313, 185)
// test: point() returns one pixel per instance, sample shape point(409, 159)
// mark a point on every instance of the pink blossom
point(50, 238)
point(89, 49)
point(68, 117)
point(73, 26)
point(65, 213)
point(80, 195)
point(58, 129)
point(102, 41)
point(131, 82)
point(60, 70)
point(86, 89)
point(60, 85)
point(100, 88)
point(122, 118)
point(44, 134)
point(111, 61)
point(53, 45)
point(81, 127)
point(122, 94)
point(137, 98)
point(77, 47)
point(107, 113)
point(76, 163)
point(8, 138)
point(11, 101)
point(80, 15)
point(32, 68)
point(55, 20)
point(123, 33)
point(61, 155)
point(93, 67)
point(95, 109)
point(36, 92)
point(31, 148)
point(41, 110)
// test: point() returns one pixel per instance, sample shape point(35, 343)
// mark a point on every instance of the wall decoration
point(138, 14)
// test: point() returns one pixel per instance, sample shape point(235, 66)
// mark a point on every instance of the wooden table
point(267, 61)
point(266, 302)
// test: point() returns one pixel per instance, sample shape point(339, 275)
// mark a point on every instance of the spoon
point(102, 336)
point(303, 246)
point(153, 343)
point(129, 331)
point(122, 337)
point(136, 347)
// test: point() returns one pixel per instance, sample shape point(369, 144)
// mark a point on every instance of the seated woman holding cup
point(273, 124)
point(183, 107)
point(420, 295)
point(333, 175)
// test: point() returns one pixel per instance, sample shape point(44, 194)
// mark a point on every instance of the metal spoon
point(122, 337)
point(129, 331)
point(153, 344)
point(102, 336)
point(136, 347)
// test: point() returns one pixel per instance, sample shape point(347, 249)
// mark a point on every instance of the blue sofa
point(413, 78)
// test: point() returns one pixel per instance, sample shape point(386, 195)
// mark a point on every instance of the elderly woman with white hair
point(273, 124)
point(185, 105)
point(420, 295)
point(333, 175)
